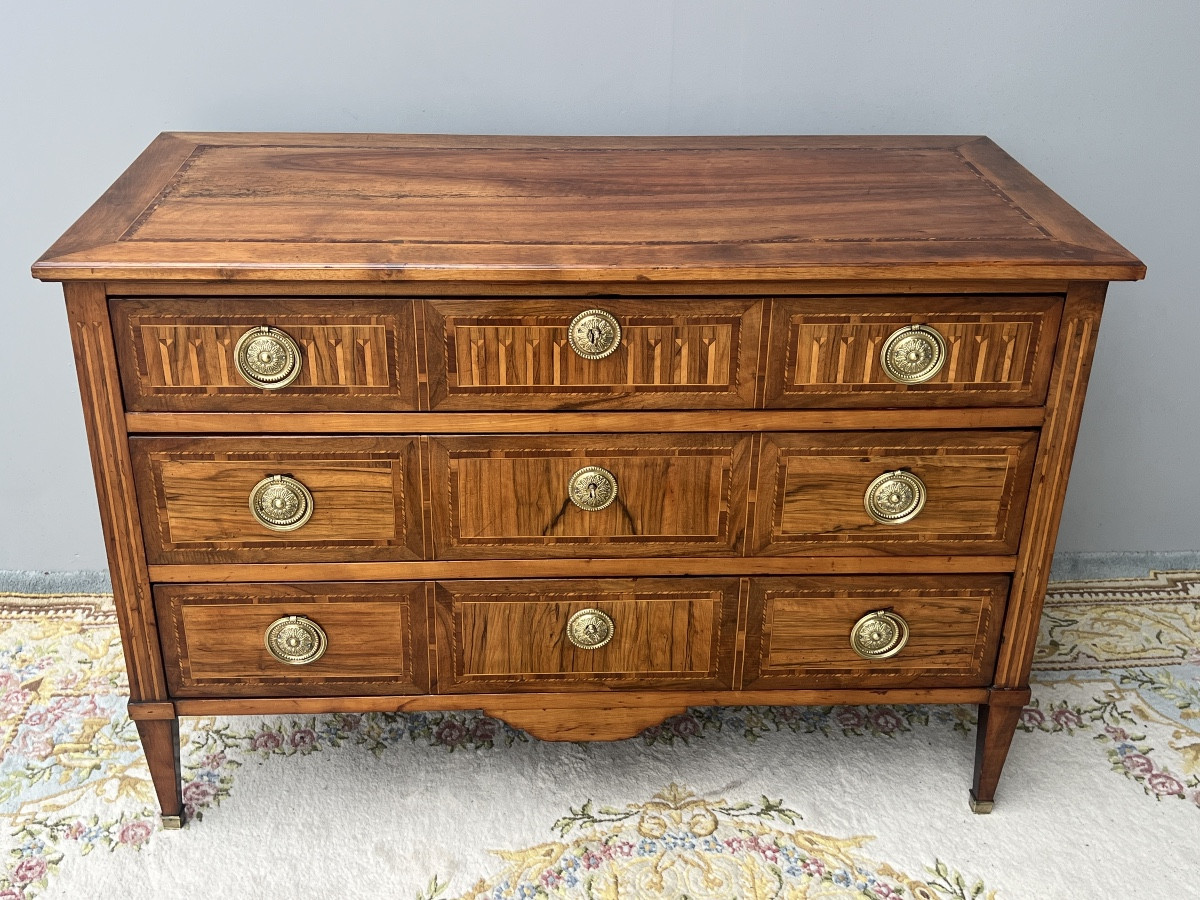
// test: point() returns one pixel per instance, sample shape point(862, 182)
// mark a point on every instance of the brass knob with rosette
point(879, 634)
point(895, 497)
point(913, 354)
point(281, 503)
point(590, 629)
point(594, 334)
point(295, 640)
point(592, 488)
point(267, 357)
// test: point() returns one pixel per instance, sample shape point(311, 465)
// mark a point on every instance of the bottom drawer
point(503, 636)
point(799, 633)
point(368, 638)
point(635, 633)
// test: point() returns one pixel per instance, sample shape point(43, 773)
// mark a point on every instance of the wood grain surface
point(194, 497)
point(112, 468)
point(1056, 451)
point(252, 206)
point(580, 422)
point(178, 353)
point(512, 635)
point(506, 496)
point(675, 353)
point(798, 630)
point(811, 491)
point(213, 639)
point(573, 707)
point(590, 567)
point(515, 354)
point(826, 351)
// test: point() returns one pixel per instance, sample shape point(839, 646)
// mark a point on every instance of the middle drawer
point(278, 499)
point(461, 497)
point(530, 496)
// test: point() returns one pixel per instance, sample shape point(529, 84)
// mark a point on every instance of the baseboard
point(1121, 564)
point(14, 581)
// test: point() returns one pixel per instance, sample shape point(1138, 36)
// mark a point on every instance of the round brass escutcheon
point(281, 503)
point(895, 497)
point(590, 629)
point(592, 488)
point(267, 357)
point(295, 640)
point(594, 334)
point(913, 354)
point(879, 634)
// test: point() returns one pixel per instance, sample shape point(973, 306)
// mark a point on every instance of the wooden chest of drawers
point(579, 432)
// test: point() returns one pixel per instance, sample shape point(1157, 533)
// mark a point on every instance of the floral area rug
point(1100, 797)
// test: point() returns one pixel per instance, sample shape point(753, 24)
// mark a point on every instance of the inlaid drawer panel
point(939, 491)
point(656, 632)
point(367, 638)
point(519, 354)
point(510, 496)
point(182, 354)
point(194, 495)
point(799, 633)
point(994, 351)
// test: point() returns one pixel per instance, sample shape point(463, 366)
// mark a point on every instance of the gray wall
point(1098, 97)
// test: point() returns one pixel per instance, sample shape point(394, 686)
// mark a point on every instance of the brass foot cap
point(982, 807)
point(172, 823)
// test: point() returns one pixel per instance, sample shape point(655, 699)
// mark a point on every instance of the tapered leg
point(160, 740)
point(997, 723)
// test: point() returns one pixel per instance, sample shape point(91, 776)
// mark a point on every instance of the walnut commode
point(579, 431)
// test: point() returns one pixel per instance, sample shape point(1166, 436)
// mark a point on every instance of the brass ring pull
point(594, 334)
point(879, 634)
point(296, 640)
point(592, 488)
point(590, 629)
point(913, 354)
point(267, 357)
point(895, 497)
point(281, 503)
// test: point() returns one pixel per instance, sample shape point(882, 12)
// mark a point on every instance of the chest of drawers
point(579, 432)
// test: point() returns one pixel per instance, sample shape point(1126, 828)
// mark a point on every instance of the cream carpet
point(1100, 797)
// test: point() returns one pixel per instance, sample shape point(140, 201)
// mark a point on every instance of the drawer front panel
point(194, 498)
point(512, 635)
point(825, 351)
point(178, 354)
point(506, 496)
point(213, 638)
point(812, 489)
point(798, 633)
point(516, 354)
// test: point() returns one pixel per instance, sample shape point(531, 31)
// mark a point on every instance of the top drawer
point(344, 354)
point(987, 350)
point(586, 353)
point(379, 354)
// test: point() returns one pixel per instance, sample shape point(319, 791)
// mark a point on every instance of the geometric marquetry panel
point(798, 633)
point(505, 496)
point(194, 497)
point(826, 351)
point(178, 354)
point(812, 489)
point(512, 635)
point(505, 354)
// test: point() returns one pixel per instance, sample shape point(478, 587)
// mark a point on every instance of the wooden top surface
point(361, 207)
